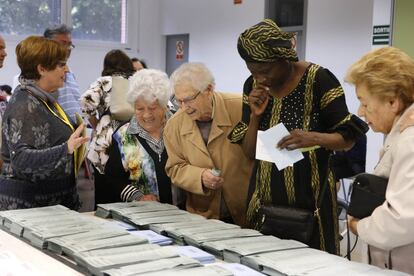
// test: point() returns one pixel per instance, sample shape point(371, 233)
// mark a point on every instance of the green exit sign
point(381, 35)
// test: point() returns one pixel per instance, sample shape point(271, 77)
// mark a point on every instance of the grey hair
point(194, 73)
point(57, 29)
point(149, 85)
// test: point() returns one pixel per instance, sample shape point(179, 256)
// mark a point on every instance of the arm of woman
point(339, 129)
point(255, 101)
point(299, 139)
point(182, 173)
point(93, 98)
point(391, 224)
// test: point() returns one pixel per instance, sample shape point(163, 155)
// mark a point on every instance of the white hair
point(194, 73)
point(149, 85)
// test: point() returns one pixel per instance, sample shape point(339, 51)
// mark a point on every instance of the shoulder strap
point(324, 186)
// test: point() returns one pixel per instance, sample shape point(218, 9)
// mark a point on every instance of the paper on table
point(266, 147)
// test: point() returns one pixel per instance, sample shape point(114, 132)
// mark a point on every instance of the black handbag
point(289, 222)
point(368, 192)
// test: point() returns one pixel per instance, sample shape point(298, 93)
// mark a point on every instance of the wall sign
point(179, 50)
point(381, 35)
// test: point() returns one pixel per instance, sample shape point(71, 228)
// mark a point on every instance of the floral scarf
point(136, 160)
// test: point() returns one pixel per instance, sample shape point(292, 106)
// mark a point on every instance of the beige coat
point(389, 231)
point(188, 156)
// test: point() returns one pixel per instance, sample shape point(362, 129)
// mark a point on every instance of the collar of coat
point(221, 119)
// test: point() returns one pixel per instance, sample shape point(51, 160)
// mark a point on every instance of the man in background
point(68, 96)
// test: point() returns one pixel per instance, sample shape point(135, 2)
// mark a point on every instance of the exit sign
point(381, 35)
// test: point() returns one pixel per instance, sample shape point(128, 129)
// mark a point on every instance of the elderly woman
point(384, 81)
point(39, 143)
point(136, 166)
point(310, 102)
point(202, 161)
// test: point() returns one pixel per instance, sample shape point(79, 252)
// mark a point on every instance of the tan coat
point(389, 231)
point(188, 156)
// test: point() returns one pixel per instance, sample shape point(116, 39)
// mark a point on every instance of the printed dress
point(316, 104)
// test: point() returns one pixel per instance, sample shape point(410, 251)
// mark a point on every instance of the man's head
point(62, 34)
point(3, 53)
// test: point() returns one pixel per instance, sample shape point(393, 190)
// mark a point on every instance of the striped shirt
point(69, 97)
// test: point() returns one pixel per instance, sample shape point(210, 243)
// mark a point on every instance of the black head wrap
point(266, 42)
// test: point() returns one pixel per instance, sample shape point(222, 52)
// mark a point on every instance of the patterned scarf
point(266, 42)
point(31, 86)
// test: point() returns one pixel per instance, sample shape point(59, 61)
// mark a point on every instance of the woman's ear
point(40, 69)
point(396, 104)
point(210, 88)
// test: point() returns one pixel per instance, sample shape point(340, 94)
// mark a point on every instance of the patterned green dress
point(316, 104)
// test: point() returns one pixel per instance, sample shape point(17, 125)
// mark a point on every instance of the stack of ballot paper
point(105, 210)
point(153, 237)
point(236, 252)
point(211, 270)
point(152, 266)
point(217, 247)
point(308, 261)
point(195, 253)
point(239, 269)
point(163, 228)
point(222, 234)
point(207, 226)
point(147, 206)
point(63, 244)
point(144, 223)
point(122, 225)
point(97, 264)
point(7, 218)
point(80, 257)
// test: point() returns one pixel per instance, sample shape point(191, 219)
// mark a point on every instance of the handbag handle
point(324, 187)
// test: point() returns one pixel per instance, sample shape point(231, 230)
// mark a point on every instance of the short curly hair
point(386, 72)
point(149, 85)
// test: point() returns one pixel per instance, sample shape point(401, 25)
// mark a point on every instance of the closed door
point(177, 51)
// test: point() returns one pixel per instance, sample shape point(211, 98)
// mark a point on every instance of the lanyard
point(64, 118)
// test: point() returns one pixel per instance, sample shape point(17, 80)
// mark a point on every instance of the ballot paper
point(195, 253)
point(266, 147)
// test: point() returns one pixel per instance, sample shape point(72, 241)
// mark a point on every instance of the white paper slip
point(152, 237)
point(266, 147)
point(195, 253)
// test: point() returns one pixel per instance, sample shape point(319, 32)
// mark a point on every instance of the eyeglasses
point(71, 46)
point(186, 100)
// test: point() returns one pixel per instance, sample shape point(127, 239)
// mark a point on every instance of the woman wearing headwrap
point(310, 102)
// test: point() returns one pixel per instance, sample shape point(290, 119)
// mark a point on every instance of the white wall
point(338, 34)
point(214, 27)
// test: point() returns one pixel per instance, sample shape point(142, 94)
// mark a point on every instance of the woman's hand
point(76, 139)
point(258, 99)
point(353, 223)
point(298, 139)
point(211, 181)
point(149, 197)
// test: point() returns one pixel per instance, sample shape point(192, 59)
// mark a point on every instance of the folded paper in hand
point(266, 147)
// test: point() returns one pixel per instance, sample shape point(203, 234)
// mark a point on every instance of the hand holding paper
point(267, 150)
